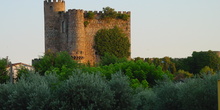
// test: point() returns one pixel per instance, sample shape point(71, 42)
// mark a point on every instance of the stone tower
point(66, 30)
point(52, 11)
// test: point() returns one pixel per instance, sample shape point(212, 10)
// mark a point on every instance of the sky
point(159, 28)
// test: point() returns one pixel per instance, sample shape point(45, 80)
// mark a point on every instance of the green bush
point(199, 93)
point(145, 99)
point(167, 96)
point(90, 15)
point(123, 97)
point(5, 91)
point(84, 91)
point(140, 73)
point(123, 16)
point(59, 63)
point(30, 93)
point(108, 59)
point(207, 70)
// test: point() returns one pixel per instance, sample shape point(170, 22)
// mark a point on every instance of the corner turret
point(55, 6)
point(53, 21)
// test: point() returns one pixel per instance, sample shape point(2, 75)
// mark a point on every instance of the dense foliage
point(140, 73)
point(60, 63)
point(166, 63)
point(114, 85)
point(199, 60)
point(86, 91)
point(112, 41)
point(3, 71)
point(108, 59)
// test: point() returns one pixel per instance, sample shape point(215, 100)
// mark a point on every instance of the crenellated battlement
point(49, 1)
point(101, 12)
point(75, 11)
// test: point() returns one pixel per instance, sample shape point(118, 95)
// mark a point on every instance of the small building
point(16, 67)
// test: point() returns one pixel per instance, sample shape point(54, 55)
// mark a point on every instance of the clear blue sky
point(173, 28)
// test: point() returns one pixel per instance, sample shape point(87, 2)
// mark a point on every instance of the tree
point(207, 70)
point(60, 63)
point(22, 72)
point(202, 59)
point(108, 59)
point(112, 41)
point(181, 75)
point(109, 13)
point(3, 72)
point(166, 63)
point(199, 60)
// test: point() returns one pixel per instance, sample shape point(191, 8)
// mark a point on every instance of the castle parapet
point(101, 12)
point(73, 11)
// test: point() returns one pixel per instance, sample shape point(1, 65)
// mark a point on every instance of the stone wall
point(96, 24)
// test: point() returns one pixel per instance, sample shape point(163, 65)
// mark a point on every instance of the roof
point(23, 64)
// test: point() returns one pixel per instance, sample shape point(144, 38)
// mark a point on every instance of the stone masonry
point(65, 30)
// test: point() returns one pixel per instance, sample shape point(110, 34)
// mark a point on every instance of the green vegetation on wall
point(86, 23)
point(111, 13)
point(112, 41)
point(90, 15)
point(107, 14)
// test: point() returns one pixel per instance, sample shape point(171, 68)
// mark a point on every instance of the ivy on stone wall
point(112, 41)
point(86, 23)
point(108, 13)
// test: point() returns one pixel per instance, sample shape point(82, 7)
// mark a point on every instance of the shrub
point(167, 96)
point(123, 97)
point(86, 23)
point(83, 91)
point(123, 16)
point(108, 59)
point(199, 93)
point(5, 91)
point(28, 93)
point(59, 63)
point(145, 99)
point(207, 70)
point(181, 75)
point(90, 15)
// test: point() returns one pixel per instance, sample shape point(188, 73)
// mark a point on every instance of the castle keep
point(66, 30)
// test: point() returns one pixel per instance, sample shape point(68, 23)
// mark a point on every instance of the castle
point(66, 30)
